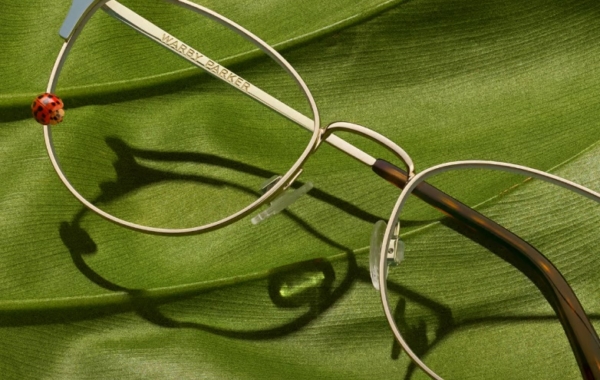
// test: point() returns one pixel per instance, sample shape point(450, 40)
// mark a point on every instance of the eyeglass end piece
point(282, 203)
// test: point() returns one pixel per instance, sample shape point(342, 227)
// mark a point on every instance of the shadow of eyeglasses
point(318, 298)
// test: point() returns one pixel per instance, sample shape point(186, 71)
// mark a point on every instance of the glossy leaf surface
point(290, 298)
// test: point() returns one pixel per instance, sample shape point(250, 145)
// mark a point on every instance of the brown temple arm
point(532, 263)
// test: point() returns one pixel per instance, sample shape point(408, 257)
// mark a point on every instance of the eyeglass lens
point(214, 146)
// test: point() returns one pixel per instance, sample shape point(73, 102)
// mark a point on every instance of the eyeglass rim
point(400, 203)
point(281, 185)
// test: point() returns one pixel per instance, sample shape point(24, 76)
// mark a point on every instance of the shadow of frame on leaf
point(132, 176)
point(306, 289)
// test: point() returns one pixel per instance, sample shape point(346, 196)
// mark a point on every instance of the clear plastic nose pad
point(376, 241)
point(282, 202)
point(395, 251)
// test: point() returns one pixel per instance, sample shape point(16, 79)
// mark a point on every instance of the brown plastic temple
point(532, 263)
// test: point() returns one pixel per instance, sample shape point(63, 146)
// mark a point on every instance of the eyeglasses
point(82, 11)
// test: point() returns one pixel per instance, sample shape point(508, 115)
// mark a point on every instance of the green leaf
point(290, 298)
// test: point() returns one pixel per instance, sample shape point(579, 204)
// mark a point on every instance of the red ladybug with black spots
point(48, 109)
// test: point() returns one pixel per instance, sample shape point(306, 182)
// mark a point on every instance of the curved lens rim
point(407, 191)
point(286, 179)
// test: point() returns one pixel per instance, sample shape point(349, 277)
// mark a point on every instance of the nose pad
point(282, 202)
point(270, 183)
point(394, 252)
point(374, 254)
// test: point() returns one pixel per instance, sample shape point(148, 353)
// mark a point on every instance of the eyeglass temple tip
point(79, 8)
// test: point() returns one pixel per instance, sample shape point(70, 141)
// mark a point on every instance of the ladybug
point(48, 109)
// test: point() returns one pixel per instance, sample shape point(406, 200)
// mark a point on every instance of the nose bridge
point(373, 136)
point(79, 9)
